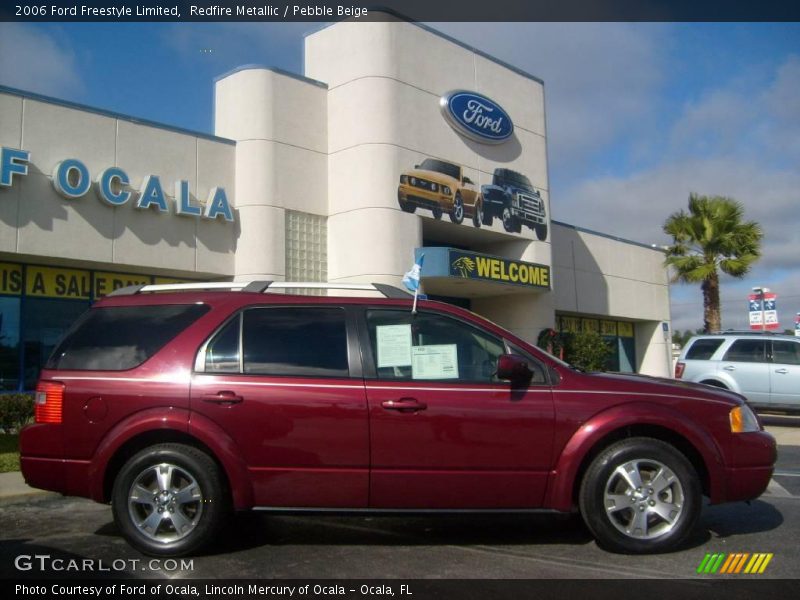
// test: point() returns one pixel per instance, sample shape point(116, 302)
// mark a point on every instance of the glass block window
point(306, 247)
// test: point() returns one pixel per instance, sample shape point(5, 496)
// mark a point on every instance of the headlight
point(743, 419)
point(434, 187)
point(413, 181)
point(446, 190)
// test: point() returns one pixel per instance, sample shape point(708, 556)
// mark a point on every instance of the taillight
point(49, 402)
point(679, 367)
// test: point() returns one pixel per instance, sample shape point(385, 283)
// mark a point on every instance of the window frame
point(351, 341)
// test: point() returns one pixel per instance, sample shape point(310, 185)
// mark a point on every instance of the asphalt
point(786, 430)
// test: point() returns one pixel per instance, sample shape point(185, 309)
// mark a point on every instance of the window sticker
point(438, 361)
point(394, 345)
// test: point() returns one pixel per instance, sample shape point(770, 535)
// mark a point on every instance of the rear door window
point(703, 349)
point(118, 338)
point(302, 341)
point(747, 350)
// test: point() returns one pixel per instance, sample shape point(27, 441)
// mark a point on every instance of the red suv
point(177, 404)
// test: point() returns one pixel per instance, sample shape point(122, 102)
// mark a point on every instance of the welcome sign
point(471, 265)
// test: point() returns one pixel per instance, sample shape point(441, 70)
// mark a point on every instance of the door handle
point(782, 371)
point(224, 398)
point(729, 368)
point(404, 405)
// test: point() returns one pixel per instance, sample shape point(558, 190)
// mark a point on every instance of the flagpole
point(414, 306)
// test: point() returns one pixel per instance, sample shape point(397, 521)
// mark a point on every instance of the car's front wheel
point(169, 500)
point(457, 212)
point(640, 495)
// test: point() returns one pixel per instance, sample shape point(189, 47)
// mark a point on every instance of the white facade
point(312, 168)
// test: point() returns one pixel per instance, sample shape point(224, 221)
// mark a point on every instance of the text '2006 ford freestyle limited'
point(177, 405)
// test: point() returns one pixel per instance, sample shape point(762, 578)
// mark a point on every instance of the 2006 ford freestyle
point(177, 404)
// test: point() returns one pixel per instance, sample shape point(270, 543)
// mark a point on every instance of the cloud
point(226, 45)
point(602, 80)
point(32, 60)
point(732, 141)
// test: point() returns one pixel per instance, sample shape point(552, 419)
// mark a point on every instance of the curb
point(27, 497)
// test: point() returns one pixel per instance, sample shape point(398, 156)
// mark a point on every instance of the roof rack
point(259, 287)
point(745, 332)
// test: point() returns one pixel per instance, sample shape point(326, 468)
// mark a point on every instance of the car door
point(784, 374)
point(284, 382)
point(444, 431)
point(745, 362)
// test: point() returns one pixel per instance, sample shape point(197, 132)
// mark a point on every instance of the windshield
point(449, 169)
point(518, 179)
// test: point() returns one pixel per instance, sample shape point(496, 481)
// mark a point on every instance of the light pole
point(762, 292)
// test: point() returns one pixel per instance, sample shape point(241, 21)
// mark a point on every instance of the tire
point(437, 213)
point(477, 214)
point(714, 383)
point(192, 497)
point(488, 219)
point(510, 223)
point(640, 519)
point(406, 206)
point(541, 231)
point(457, 212)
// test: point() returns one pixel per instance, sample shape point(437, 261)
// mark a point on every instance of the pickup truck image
point(441, 187)
point(512, 198)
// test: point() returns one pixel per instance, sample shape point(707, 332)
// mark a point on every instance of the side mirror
point(416, 166)
point(513, 368)
point(466, 180)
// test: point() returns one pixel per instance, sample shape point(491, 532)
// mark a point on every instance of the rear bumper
point(68, 477)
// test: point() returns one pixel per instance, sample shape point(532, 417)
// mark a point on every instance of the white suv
point(765, 368)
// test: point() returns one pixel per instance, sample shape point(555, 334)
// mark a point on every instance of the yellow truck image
point(441, 187)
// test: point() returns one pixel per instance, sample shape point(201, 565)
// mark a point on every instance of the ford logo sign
point(476, 117)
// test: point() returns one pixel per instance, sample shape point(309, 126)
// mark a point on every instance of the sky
point(638, 114)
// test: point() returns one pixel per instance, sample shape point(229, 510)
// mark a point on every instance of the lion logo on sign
point(463, 266)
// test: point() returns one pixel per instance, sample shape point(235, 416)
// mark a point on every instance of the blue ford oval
point(476, 116)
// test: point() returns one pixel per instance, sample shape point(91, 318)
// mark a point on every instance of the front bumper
point(752, 461)
point(424, 198)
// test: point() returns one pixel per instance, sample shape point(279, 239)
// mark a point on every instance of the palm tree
point(711, 237)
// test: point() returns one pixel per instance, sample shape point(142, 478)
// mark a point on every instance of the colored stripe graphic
point(734, 563)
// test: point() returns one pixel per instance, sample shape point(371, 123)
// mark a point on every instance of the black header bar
point(415, 10)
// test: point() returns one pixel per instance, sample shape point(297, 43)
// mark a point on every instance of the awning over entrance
point(466, 273)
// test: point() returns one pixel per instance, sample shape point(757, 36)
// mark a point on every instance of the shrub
point(587, 351)
point(15, 411)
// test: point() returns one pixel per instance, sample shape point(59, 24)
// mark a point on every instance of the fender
point(178, 419)
point(562, 479)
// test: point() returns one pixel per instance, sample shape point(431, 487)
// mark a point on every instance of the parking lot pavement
point(257, 545)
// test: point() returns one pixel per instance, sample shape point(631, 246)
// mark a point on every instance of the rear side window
point(747, 350)
point(306, 342)
point(703, 349)
point(118, 338)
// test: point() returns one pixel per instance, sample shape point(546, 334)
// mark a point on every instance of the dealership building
point(395, 142)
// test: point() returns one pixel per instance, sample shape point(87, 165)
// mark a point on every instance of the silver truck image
point(512, 198)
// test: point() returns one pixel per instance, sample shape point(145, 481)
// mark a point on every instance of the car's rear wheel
point(640, 495)
point(541, 231)
point(714, 383)
point(169, 500)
